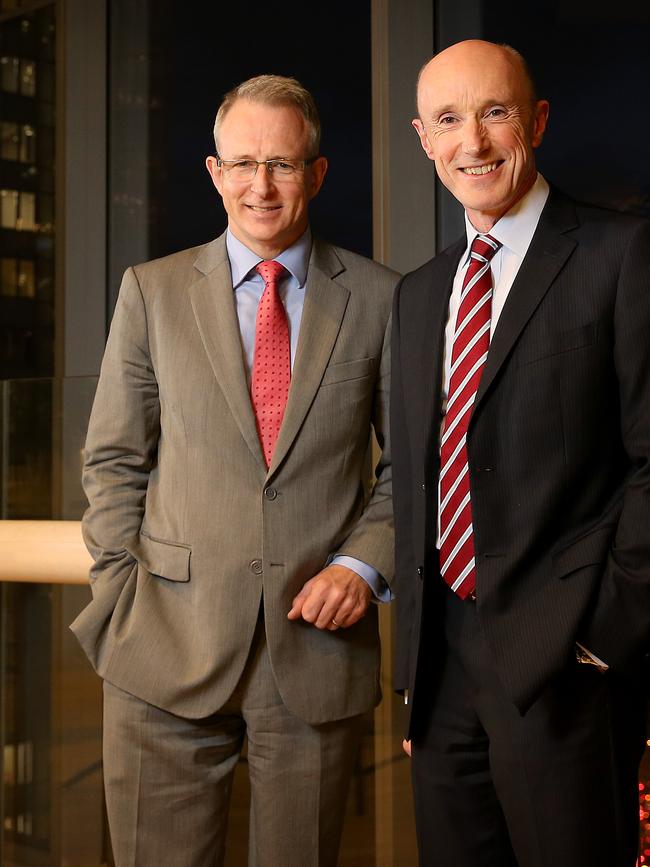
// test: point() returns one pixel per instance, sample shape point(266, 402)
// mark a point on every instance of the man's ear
point(318, 170)
point(418, 126)
point(540, 119)
point(215, 172)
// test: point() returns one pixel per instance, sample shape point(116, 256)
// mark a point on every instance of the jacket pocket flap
point(588, 550)
point(169, 560)
point(562, 341)
point(345, 370)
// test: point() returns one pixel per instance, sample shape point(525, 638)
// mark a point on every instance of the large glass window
point(17, 142)
point(27, 155)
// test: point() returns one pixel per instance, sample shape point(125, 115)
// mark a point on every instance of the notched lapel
point(434, 321)
point(216, 317)
point(322, 315)
point(547, 254)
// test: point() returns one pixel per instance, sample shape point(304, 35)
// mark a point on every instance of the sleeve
point(405, 567)
point(380, 589)
point(372, 540)
point(618, 629)
point(122, 441)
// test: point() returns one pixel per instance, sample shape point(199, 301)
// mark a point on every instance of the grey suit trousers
point(168, 779)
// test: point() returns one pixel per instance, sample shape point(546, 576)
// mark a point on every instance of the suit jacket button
point(255, 567)
point(420, 571)
point(270, 493)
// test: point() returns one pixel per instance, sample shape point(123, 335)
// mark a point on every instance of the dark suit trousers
point(557, 787)
point(168, 779)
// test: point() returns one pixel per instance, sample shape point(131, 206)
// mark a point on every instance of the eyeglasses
point(278, 169)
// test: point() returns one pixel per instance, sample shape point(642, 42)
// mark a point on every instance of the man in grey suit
point(237, 538)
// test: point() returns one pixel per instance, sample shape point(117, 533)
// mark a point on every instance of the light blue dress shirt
point(248, 287)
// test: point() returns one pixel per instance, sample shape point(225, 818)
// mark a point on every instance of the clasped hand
point(335, 598)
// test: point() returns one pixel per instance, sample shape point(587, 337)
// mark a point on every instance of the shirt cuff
point(377, 584)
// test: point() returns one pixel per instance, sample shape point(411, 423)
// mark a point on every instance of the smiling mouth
point(481, 170)
point(263, 209)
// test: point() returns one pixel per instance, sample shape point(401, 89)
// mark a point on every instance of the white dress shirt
point(514, 231)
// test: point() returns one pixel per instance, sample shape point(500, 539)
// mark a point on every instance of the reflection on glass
point(8, 272)
point(26, 723)
point(45, 213)
point(27, 139)
point(9, 72)
point(27, 152)
point(9, 140)
point(17, 278)
point(8, 209)
point(26, 221)
point(17, 142)
point(28, 78)
point(26, 287)
point(18, 210)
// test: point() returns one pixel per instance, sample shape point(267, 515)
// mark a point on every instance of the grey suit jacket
point(189, 531)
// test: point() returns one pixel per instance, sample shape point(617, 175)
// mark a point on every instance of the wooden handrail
point(47, 552)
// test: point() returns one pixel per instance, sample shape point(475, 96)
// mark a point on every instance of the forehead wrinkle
point(247, 156)
point(474, 67)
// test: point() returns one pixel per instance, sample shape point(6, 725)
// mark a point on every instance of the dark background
point(591, 60)
point(199, 51)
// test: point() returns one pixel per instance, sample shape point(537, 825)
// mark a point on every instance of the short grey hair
point(276, 90)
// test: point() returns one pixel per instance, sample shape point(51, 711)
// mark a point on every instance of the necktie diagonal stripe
point(484, 300)
point(469, 354)
point(474, 369)
point(464, 352)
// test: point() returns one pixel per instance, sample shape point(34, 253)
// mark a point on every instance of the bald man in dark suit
point(520, 410)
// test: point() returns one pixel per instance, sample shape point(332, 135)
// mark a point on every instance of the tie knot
point(270, 270)
point(484, 247)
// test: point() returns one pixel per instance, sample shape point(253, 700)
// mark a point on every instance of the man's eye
point(243, 165)
point(283, 166)
point(447, 120)
point(496, 112)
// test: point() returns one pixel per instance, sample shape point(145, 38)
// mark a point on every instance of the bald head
point(479, 55)
point(480, 122)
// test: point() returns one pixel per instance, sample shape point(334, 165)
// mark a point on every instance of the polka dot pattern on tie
point(271, 375)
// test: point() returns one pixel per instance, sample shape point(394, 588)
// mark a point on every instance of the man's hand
point(406, 746)
point(336, 597)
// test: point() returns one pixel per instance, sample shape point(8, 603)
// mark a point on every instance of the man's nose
point(475, 139)
point(262, 181)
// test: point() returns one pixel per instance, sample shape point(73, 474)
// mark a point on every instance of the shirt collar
point(295, 258)
point(516, 228)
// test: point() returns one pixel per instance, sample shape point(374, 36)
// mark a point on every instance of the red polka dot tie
point(271, 360)
point(468, 356)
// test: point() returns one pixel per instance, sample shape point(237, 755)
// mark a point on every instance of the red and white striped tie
point(468, 356)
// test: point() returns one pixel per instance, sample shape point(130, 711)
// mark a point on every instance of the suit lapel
point(434, 320)
point(322, 315)
point(214, 309)
point(548, 252)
